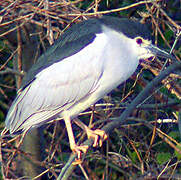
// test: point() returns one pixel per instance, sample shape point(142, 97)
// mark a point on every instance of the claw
point(98, 135)
point(78, 150)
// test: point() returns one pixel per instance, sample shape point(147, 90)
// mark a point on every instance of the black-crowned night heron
point(85, 63)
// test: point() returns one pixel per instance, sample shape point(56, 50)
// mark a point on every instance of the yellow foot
point(78, 150)
point(98, 135)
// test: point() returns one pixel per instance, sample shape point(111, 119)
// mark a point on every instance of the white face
point(141, 48)
point(135, 49)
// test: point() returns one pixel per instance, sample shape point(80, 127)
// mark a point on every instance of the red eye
point(139, 41)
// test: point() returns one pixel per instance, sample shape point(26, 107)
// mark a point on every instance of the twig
point(19, 58)
point(12, 71)
point(49, 25)
point(12, 55)
point(164, 13)
point(112, 10)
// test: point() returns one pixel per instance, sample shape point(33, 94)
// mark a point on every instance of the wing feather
point(58, 87)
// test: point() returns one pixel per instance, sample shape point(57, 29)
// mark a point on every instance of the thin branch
point(112, 10)
point(12, 71)
point(12, 55)
point(19, 57)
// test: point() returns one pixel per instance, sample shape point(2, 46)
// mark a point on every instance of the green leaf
point(175, 135)
point(177, 154)
point(1, 116)
point(163, 157)
point(134, 157)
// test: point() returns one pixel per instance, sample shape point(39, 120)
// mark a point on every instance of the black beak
point(159, 52)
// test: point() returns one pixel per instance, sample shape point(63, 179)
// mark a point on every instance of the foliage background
point(147, 147)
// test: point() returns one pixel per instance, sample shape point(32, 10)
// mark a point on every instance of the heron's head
point(135, 37)
point(146, 50)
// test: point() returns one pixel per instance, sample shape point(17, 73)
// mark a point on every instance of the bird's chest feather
point(119, 61)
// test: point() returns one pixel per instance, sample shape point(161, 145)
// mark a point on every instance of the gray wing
point(69, 43)
point(57, 88)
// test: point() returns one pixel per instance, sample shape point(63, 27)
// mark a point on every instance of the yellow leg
point(98, 135)
point(75, 148)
